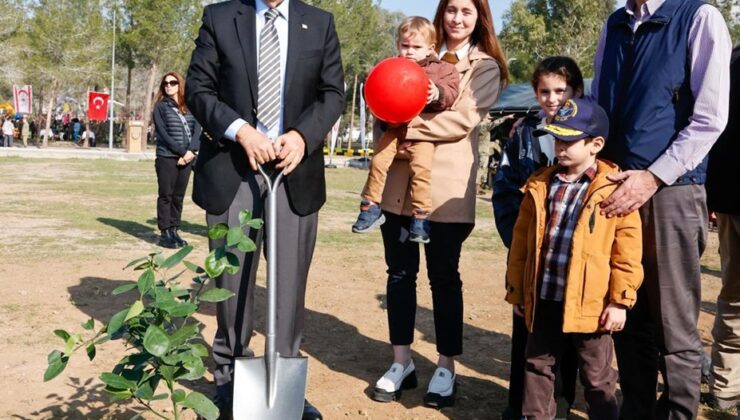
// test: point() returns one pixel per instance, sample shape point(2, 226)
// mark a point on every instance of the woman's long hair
point(484, 35)
point(180, 91)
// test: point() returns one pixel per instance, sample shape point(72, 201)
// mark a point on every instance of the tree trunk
point(49, 112)
point(352, 116)
point(39, 102)
point(148, 107)
point(127, 105)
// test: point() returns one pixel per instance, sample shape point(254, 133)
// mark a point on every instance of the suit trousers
point(545, 347)
point(726, 331)
point(661, 330)
point(421, 154)
point(173, 182)
point(443, 258)
point(296, 237)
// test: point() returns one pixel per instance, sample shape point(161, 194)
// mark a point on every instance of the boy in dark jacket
point(416, 41)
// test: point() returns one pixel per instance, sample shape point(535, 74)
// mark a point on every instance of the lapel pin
point(304, 26)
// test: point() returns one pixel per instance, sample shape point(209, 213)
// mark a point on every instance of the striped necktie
point(268, 81)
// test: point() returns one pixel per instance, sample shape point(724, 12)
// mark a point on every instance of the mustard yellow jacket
point(605, 257)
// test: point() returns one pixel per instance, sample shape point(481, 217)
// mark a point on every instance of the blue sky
point(426, 8)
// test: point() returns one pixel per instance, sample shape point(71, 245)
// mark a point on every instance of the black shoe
point(310, 412)
point(563, 409)
point(176, 236)
point(167, 241)
point(512, 414)
point(224, 401)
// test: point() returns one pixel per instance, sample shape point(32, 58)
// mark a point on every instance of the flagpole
point(112, 83)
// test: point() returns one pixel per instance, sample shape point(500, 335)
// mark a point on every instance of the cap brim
point(561, 133)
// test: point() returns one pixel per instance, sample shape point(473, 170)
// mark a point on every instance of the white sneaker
point(394, 381)
point(442, 389)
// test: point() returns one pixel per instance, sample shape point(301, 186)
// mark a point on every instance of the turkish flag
point(97, 106)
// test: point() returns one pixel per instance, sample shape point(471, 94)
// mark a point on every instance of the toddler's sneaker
point(394, 381)
point(419, 231)
point(369, 218)
point(442, 389)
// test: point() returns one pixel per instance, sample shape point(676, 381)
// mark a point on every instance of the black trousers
point(566, 370)
point(442, 257)
point(173, 181)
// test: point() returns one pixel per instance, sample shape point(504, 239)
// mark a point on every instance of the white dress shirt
point(281, 25)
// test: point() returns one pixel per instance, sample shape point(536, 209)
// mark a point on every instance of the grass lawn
point(69, 226)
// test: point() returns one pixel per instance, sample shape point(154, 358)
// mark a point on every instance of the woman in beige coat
point(467, 39)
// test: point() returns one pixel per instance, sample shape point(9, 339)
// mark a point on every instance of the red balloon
point(396, 90)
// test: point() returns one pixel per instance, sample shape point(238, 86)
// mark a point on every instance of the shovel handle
point(271, 182)
point(271, 221)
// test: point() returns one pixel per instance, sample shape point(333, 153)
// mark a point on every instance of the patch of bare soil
point(345, 339)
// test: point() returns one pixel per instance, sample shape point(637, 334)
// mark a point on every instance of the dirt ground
point(63, 280)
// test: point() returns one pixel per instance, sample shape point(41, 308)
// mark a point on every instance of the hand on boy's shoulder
point(636, 187)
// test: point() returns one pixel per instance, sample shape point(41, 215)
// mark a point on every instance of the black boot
point(176, 236)
point(166, 240)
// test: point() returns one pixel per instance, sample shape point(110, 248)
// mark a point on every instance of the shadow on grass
point(89, 401)
point(191, 228)
point(149, 232)
point(146, 233)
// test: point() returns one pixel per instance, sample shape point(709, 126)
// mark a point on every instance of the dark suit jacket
point(222, 87)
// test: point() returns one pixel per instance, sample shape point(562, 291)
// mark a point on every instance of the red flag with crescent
point(97, 106)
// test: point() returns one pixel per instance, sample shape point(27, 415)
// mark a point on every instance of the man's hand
point(189, 156)
point(518, 310)
point(290, 148)
point(613, 318)
point(257, 146)
point(637, 188)
point(432, 92)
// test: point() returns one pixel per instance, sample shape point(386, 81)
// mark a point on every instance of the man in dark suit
point(266, 82)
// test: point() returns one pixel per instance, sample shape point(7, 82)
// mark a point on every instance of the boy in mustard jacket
point(573, 273)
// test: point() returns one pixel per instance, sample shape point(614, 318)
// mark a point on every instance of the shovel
point(271, 387)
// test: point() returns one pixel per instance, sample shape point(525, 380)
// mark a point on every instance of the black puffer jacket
point(722, 195)
point(172, 138)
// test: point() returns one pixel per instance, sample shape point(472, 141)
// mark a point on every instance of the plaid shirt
point(564, 206)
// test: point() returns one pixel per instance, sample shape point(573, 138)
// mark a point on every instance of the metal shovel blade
point(253, 398)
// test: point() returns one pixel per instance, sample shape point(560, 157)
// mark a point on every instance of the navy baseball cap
point(577, 119)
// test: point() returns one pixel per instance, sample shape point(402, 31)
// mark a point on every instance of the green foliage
point(536, 29)
point(732, 17)
point(159, 32)
point(76, 53)
point(164, 342)
point(367, 34)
